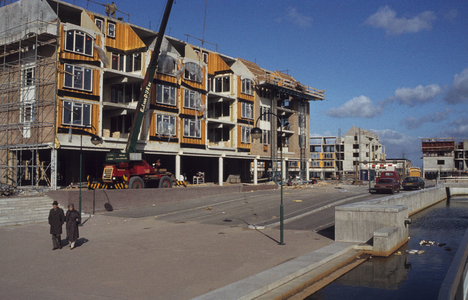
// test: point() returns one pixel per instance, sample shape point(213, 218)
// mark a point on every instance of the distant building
point(340, 156)
point(444, 157)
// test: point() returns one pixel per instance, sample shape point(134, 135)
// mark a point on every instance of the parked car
point(388, 185)
point(413, 182)
point(390, 174)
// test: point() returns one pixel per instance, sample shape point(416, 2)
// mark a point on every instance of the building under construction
point(444, 157)
point(67, 73)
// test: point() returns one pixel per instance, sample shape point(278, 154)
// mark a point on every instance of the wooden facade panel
point(125, 38)
point(239, 91)
point(96, 82)
point(65, 54)
point(240, 144)
point(94, 116)
point(193, 141)
point(216, 64)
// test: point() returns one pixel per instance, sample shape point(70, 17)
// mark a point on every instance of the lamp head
point(256, 133)
point(95, 140)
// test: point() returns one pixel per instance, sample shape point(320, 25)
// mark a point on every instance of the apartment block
point(358, 149)
point(68, 73)
point(443, 157)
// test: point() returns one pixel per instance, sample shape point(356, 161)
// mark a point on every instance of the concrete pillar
point(53, 169)
point(308, 170)
point(177, 167)
point(220, 171)
point(255, 172)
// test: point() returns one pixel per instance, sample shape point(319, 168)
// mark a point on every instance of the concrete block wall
point(381, 222)
point(24, 210)
point(357, 223)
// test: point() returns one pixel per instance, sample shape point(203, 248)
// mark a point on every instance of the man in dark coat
point(73, 219)
point(56, 220)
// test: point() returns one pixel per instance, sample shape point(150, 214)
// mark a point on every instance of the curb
point(263, 282)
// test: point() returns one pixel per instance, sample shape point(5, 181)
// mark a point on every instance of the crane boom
point(130, 153)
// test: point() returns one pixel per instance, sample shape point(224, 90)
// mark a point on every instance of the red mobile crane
point(127, 168)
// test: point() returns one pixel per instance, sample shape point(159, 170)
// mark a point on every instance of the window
point(315, 155)
point(28, 76)
point(165, 125)
point(27, 112)
point(441, 162)
point(192, 128)
point(133, 62)
point(245, 135)
point(222, 84)
point(328, 163)
point(265, 138)
point(247, 86)
point(315, 163)
point(193, 72)
point(166, 64)
point(78, 114)
point(79, 42)
point(99, 23)
point(294, 164)
point(356, 154)
point(125, 93)
point(355, 146)
point(192, 99)
point(118, 61)
point(247, 110)
point(166, 95)
point(205, 57)
point(265, 113)
point(78, 78)
point(111, 29)
point(328, 155)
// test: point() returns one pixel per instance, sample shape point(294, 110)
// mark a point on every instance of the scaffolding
point(28, 74)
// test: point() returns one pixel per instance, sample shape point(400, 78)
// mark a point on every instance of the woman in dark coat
point(72, 219)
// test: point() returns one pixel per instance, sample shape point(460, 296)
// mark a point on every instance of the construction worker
point(107, 8)
point(113, 8)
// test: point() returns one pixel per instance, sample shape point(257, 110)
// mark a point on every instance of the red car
point(386, 185)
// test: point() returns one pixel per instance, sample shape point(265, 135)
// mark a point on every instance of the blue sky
point(399, 68)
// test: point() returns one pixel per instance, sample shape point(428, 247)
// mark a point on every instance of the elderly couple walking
point(56, 220)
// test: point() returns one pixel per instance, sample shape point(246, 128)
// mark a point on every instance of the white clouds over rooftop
point(361, 106)
point(387, 19)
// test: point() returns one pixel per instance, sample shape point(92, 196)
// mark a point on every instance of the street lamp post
point(370, 161)
point(95, 140)
point(256, 133)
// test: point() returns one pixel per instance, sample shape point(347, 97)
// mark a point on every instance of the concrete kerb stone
point(263, 282)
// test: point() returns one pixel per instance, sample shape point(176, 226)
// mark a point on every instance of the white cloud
point(398, 144)
point(298, 18)
point(451, 15)
point(413, 123)
point(361, 106)
point(458, 92)
point(415, 96)
point(386, 18)
point(459, 128)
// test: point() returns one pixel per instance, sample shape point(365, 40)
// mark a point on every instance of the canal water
point(408, 276)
